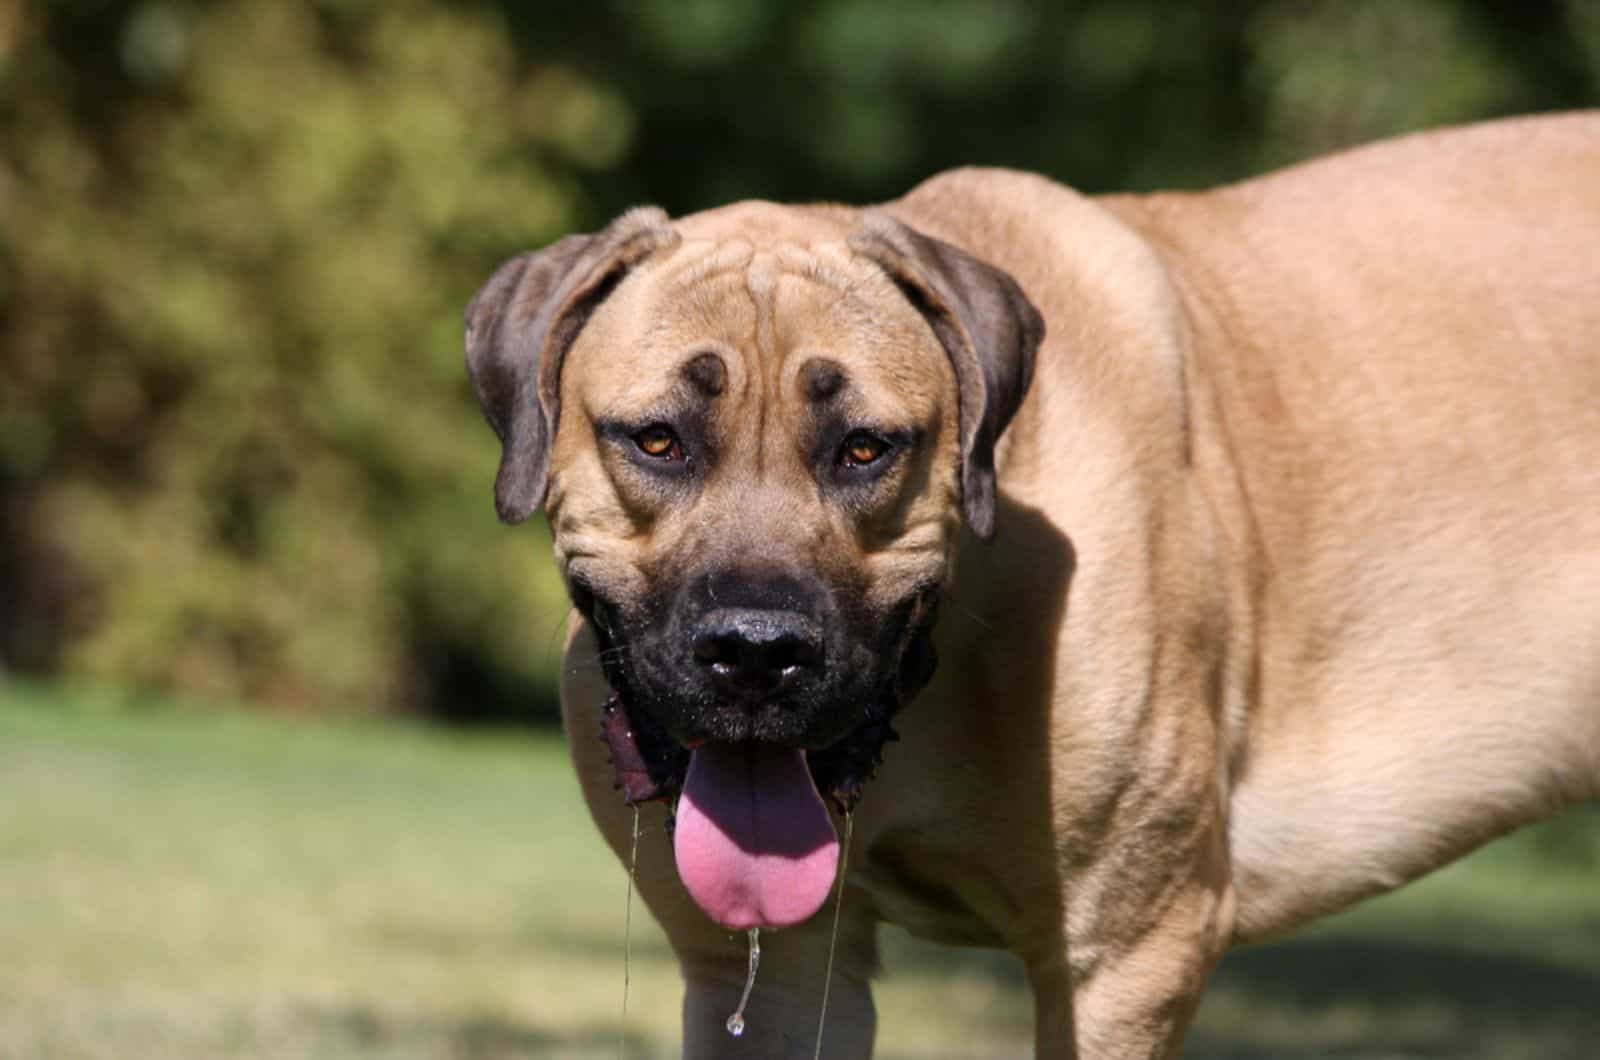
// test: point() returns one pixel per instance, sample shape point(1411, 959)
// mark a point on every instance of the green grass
point(185, 884)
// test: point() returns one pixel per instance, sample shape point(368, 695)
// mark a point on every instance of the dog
point(1112, 580)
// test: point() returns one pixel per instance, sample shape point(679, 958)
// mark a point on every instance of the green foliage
point(232, 393)
point(238, 451)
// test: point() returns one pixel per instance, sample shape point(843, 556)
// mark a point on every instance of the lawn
point(178, 883)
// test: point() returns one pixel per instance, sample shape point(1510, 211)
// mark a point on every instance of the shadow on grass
point(539, 940)
point(907, 957)
point(367, 1031)
point(1371, 997)
point(1386, 974)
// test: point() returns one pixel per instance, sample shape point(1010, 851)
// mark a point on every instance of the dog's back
point(1399, 348)
point(1386, 374)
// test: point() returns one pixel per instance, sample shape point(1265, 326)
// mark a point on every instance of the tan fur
point(1296, 587)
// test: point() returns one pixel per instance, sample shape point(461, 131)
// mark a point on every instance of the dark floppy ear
point(519, 328)
point(988, 328)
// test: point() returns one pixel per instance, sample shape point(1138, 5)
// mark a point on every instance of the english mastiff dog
point(1142, 575)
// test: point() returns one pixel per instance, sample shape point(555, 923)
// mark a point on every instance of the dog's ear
point(988, 328)
point(519, 328)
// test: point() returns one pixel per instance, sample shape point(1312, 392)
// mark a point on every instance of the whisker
point(962, 606)
point(558, 625)
point(597, 660)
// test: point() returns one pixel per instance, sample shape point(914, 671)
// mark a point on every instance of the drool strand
point(627, 939)
point(735, 1022)
point(833, 938)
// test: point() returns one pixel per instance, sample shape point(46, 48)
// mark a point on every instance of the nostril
point(720, 651)
point(790, 652)
point(710, 648)
point(757, 649)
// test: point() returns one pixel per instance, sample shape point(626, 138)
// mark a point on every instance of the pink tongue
point(754, 844)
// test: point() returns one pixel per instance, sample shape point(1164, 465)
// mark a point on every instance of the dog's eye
point(658, 441)
point(861, 449)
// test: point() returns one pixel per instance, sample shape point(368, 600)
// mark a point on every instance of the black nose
point(757, 651)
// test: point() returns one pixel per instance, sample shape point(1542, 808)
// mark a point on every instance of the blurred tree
point(238, 451)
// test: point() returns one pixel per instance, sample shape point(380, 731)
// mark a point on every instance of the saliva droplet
point(735, 1024)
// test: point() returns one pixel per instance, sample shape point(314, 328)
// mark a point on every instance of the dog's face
point(755, 487)
point(756, 434)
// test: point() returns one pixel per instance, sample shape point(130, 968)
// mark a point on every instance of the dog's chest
point(933, 893)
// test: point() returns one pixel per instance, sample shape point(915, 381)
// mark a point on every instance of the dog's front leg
point(1142, 944)
point(1139, 1002)
point(1133, 1001)
point(1052, 1011)
point(785, 1007)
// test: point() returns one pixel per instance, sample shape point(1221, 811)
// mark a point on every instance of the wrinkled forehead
point(766, 309)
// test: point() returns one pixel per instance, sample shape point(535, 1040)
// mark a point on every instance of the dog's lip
point(655, 769)
point(840, 768)
point(648, 770)
point(741, 724)
point(697, 744)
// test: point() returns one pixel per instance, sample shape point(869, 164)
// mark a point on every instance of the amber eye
point(861, 449)
point(658, 441)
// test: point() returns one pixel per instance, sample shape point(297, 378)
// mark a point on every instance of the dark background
point(239, 458)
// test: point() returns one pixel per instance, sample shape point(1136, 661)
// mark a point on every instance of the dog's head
point(757, 434)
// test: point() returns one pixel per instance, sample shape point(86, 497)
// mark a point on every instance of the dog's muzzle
point(752, 839)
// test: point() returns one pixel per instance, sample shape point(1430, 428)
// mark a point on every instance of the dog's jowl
point(1143, 574)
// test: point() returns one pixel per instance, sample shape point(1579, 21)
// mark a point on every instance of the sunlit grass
point(178, 884)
